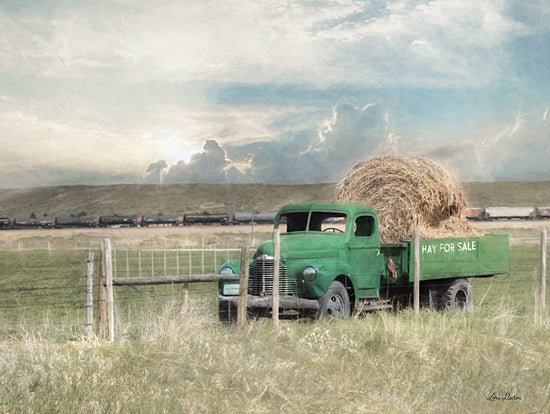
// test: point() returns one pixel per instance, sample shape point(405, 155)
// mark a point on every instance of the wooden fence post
point(109, 290)
point(416, 286)
point(276, 266)
point(243, 289)
point(89, 295)
point(102, 300)
point(543, 243)
point(185, 299)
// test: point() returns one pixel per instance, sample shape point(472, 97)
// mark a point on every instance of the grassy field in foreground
point(496, 359)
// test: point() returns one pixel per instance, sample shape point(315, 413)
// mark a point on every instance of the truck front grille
point(260, 281)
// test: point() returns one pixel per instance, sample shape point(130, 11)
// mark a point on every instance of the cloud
point(278, 91)
point(323, 42)
point(207, 166)
point(351, 135)
point(154, 172)
point(305, 156)
point(518, 147)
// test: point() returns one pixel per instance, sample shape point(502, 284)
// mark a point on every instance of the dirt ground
point(521, 232)
point(221, 236)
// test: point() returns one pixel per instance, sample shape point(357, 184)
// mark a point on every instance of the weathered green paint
point(462, 257)
point(366, 264)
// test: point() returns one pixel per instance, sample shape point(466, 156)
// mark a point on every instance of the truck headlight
point(309, 273)
point(226, 271)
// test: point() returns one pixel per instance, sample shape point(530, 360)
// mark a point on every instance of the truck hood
point(305, 246)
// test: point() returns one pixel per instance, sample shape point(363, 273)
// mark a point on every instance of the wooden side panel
point(463, 257)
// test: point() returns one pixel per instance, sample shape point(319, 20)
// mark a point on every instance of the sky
point(275, 91)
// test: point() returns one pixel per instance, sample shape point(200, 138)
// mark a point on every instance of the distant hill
point(508, 193)
point(197, 198)
point(152, 199)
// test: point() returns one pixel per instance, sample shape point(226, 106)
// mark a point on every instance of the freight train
point(508, 213)
point(237, 218)
point(136, 221)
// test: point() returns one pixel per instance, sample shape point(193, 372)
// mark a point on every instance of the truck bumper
point(285, 302)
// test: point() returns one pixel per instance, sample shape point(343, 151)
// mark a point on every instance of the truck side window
point(333, 222)
point(364, 226)
point(291, 222)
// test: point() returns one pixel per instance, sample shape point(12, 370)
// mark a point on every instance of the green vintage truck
point(333, 264)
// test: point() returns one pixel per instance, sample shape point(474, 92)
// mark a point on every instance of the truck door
point(365, 257)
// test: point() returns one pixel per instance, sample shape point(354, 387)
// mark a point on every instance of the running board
point(373, 306)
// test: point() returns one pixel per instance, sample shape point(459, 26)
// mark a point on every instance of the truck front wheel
point(335, 302)
point(459, 297)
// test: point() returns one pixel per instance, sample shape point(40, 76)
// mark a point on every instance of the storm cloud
point(519, 147)
point(313, 156)
point(207, 166)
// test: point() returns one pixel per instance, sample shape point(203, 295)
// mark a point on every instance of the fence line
point(89, 294)
point(165, 266)
point(47, 290)
point(543, 244)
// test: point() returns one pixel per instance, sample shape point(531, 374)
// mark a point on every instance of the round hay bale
point(409, 193)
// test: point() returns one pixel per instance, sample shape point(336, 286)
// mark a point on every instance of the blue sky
point(270, 91)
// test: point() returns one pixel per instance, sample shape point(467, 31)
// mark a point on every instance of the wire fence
point(133, 303)
point(43, 291)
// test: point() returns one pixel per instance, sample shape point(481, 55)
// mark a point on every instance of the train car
point(543, 213)
point(220, 218)
point(4, 223)
point(161, 219)
point(79, 221)
point(257, 218)
point(33, 222)
point(116, 220)
point(475, 214)
point(510, 213)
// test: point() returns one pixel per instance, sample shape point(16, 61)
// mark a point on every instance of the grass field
point(496, 359)
point(381, 363)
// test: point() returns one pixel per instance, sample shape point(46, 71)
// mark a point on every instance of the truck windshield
point(320, 221)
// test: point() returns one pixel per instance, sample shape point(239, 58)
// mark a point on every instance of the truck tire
point(459, 296)
point(335, 302)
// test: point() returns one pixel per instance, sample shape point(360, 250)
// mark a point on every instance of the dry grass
point(409, 193)
point(434, 362)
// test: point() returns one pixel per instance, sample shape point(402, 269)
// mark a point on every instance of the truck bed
point(453, 257)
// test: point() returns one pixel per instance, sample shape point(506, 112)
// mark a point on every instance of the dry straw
point(409, 193)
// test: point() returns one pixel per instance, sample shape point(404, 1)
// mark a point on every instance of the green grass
point(515, 290)
point(134, 302)
point(43, 292)
point(162, 361)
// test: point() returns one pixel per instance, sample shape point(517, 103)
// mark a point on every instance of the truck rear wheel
point(459, 297)
point(335, 302)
